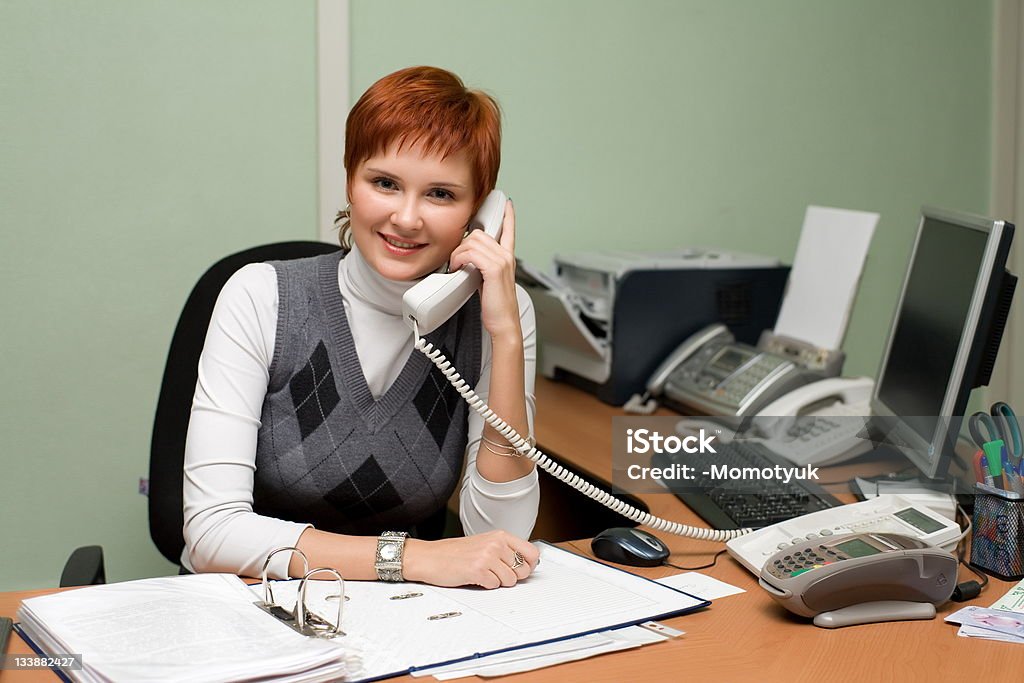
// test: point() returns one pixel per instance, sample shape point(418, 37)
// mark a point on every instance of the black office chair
point(167, 448)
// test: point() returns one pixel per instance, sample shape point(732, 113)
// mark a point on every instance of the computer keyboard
point(756, 504)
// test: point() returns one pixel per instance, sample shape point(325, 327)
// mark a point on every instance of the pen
point(986, 477)
point(1011, 474)
point(994, 454)
point(979, 466)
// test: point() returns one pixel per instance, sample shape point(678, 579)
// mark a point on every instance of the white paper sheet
point(826, 271)
point(701, 585)
point(540, 656)
point(1013, 600)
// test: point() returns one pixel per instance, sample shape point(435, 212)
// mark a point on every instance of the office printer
point(606, 319)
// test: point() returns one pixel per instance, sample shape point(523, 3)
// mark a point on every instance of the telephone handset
point(822, 423)
point(438, 297)
point(646, 404)
point(824, 396)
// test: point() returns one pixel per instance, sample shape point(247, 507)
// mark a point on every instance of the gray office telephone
point(438, 297)
point(860, 578)
point(711, 373)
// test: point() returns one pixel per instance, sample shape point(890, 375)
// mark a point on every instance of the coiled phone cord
point(556, 470)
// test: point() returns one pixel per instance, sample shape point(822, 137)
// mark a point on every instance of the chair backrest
point(167, 449)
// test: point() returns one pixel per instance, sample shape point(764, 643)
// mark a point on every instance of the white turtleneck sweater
point(222, 533)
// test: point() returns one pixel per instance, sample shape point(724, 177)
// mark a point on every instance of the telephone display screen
point(729, 360)
point(918, 520)
point(857, 548)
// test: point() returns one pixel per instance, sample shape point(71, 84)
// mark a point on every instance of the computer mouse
point(634, 547)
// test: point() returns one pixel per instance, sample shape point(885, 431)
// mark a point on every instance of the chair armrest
point(84, 567)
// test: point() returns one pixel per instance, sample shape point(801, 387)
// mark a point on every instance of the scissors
point(983, 429)
point(1009, 430)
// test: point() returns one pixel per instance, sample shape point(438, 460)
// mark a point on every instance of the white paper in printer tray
point(823, 282)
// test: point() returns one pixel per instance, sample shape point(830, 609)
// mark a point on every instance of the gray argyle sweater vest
point(327, 452)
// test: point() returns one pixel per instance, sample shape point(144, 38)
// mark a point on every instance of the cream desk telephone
point(438, 297)
point(822, 423)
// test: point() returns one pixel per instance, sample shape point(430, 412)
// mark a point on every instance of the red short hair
point(428, 106)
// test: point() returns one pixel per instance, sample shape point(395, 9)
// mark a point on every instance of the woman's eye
point(438, 193)
point(385, 183)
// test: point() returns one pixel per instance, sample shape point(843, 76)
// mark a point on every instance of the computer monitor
point(944, 336)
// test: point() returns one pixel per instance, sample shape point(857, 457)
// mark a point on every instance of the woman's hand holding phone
point(495, 259)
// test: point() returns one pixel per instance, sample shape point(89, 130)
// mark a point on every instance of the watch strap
point(390, 551)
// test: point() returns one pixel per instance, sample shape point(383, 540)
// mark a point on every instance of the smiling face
point(410, 210)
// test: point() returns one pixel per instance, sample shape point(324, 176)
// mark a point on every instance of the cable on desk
point(967, 590)
point(713, 562)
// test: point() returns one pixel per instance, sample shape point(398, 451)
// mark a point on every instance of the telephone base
point(931, 493)
point(874, 612)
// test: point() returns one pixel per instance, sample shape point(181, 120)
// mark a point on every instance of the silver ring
point(518, 560)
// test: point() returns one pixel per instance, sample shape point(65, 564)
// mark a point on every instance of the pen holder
point(997, 538)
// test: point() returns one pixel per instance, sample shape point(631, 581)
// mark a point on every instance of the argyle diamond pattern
point(313, 391)
point(436, 402)
point(365, 493)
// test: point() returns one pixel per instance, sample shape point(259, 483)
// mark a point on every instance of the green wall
point(669, 123)
point(142, 140)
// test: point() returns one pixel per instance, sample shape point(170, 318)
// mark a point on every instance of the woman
point(315, 423)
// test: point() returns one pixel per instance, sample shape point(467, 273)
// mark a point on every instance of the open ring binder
point(220, 636)
point(302, 619)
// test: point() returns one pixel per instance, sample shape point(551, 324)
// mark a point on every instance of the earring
point(344, 214)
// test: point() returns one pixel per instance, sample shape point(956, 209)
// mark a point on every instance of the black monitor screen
point(930, 322)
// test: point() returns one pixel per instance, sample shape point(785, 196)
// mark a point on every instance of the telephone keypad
point(805, 559)
point(737, 387)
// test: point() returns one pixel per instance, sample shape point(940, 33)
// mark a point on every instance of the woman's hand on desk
point(482, 560)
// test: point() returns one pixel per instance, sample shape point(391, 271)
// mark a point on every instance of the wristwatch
point(388, 563)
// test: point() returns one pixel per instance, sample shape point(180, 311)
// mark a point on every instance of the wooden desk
point(741, 637)
point(748, 636)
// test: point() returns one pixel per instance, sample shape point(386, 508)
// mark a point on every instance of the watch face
point(389, 552)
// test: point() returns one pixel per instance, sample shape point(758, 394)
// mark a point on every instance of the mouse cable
point(526, 449)
point(713, 562)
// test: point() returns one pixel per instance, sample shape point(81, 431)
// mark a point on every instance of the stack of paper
point(182, 628)
point(1004, 621)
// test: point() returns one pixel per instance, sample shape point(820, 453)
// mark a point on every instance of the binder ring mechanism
point(303, 619)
